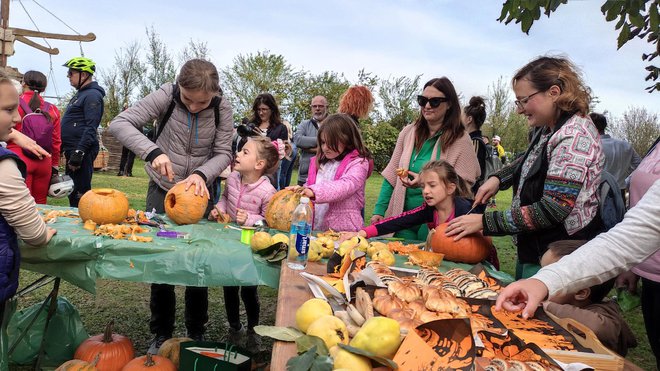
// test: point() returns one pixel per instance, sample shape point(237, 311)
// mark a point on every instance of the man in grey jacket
point(193, 147)
point(305, 137)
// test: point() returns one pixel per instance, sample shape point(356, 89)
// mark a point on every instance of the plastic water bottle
point(301, 227)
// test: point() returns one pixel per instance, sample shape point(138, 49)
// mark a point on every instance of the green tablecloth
point(213, 256)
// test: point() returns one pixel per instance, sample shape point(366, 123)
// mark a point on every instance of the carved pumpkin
point(103, 206)
point(114, 351)
point(183, 207)
point(280, 209)
point(151, 363)
point(78, 365)
point(171, 349)
point(470, 249)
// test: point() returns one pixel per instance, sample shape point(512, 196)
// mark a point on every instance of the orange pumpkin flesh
point(151, 363)
point(183, 207)
point(280, 209)
point(470, 249)
point(103, 206)
point(114, 351)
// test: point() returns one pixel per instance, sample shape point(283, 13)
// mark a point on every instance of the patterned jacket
point(253, 198)
point(345, 195)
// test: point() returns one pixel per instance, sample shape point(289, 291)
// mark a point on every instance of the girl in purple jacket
point(338, 175)
point(244, 201)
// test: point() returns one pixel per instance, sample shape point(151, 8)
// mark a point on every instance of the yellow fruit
point(328, 246)
point(345, 246)
point(361, 243)
point(331, 329)
point(310, 311)
point(261, 240)
point(384, 256)
point(315, 253)
point(334, 282)
point(293, 253)
point(379, 335)
point(281, 237)
point(348, 361)
point(375, 246)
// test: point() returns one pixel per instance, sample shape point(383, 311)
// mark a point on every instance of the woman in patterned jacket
point(555, 182)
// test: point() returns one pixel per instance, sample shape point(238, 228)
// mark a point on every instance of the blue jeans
point(286, 169)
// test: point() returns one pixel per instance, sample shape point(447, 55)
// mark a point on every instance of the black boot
point(120, 173)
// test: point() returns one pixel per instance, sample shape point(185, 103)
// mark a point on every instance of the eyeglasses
point(435, 101)
point(69, 73)
point(520, 103)
point(315, 106)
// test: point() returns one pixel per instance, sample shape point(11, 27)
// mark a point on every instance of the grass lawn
point(128, 303)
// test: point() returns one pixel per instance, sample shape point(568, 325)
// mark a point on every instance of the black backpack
point(611, 206)
point(215, 102)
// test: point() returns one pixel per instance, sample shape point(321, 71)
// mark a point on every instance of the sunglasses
point(435, 102)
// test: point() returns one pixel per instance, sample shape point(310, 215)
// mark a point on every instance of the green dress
point(414, 196)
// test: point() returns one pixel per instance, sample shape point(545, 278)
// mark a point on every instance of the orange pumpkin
point(114, 351)
point(470, 249)
point(150, 362)
point(78, 365)
point(171, 349)
point(280, 209)
point(103, 206)
point(183, 207)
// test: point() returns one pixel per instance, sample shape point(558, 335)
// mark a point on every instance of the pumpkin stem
point(107, 335)
point(149, 361)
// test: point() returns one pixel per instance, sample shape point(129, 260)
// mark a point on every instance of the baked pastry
point(406, 291)
point(364, 304)
point(417, 306)
point(385, 303)
point(402, 173)
point(483, 293)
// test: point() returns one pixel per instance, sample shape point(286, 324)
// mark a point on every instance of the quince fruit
point(379, 335)
point(310, 311)
point(261, 240)
point(281, 237)
point(327, 245)
point(337, 283)
point(361, 243)
point(384, 256)
point(375, 246)
point(315, 252)
point(345, 246)
point(331, 329)
point(344, 359)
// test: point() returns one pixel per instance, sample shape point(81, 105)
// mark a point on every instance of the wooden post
point(4, 9)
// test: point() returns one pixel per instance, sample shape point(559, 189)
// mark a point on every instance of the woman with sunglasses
point(436, 134)
point(555, 182)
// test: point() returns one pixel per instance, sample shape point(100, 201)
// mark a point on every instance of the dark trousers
point(82, 177)
point(126, 161)
point(163, 298)
point(250, 298)
point(650, 310)
point(286, 169)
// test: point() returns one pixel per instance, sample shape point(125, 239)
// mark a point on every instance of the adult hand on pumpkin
point(411, 181)
point(241, 216)
point(486, 191)
point(199, 184)
point(525, 295)
point(465, 225)
point(375, 218)
point(163, 165)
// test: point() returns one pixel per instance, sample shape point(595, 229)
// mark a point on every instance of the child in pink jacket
point(244, 201)
point(338, 175)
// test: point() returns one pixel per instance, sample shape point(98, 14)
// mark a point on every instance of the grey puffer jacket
point(191, 141)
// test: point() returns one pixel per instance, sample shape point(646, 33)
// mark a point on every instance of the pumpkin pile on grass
point(113, 351)
point(150, 362)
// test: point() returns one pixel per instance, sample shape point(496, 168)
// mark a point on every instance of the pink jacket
point(253, 198)
point(345, 195)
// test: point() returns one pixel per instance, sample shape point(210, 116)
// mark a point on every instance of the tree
point(194, 50)
point(122, 80)
point(159, 67)
point(498, 106)
point(397, 96)
point(252, 74)
point(636, 19)
point(637, 126)
point(329, 84)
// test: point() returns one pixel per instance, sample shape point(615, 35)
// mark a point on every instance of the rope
point(51, 76)
point(56, 17)
point(33, 22)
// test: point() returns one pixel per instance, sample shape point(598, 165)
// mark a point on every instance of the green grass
point(128, 303)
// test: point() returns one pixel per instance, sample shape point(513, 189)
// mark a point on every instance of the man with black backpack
point(80, 122)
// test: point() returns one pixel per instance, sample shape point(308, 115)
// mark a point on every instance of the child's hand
point(307, 192)
point(50, 232)
point(241, 216)
point(343, 236)
point(465, 225)
point(376, 218)
point(295, 188)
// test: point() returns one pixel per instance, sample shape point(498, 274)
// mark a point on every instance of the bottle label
point(302, 244)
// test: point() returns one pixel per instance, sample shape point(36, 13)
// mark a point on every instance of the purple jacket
point(253, 198)
point(345, 194)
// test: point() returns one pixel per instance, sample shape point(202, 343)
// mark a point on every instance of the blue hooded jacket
point(82, 118)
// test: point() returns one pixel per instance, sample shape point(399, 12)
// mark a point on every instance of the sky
point(455, 38)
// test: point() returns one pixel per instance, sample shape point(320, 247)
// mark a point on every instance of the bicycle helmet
point(60, 186)
point(81, 64)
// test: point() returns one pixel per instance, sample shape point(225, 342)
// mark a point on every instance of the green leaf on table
point(302, 362)
point(380, 360)
point(322, 363)
point(279, 332)
point(307, 342)
point(270, 249)
point(281, 255)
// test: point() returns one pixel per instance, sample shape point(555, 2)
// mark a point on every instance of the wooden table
point(292, 294)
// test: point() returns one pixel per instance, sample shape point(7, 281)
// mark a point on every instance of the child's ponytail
point(267, 151)
point(448, 175)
